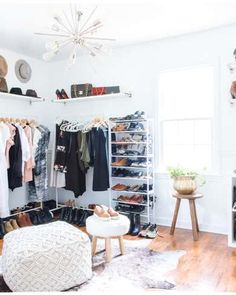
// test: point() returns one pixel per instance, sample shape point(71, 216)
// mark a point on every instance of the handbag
point(3, 85)
point(112, 89)
point(81, 90)
point(98, 90)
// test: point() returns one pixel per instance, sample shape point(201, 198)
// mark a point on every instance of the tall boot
point(131, 218)
point(137, 225)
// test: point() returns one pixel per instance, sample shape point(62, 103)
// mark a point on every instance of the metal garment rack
point(148, 169)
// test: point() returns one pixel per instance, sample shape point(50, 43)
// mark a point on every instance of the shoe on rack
point(152, 232)
point(114, 215)
point(14, 224)
point(119, 187)
point(64, 94)
point(59, 95)
point(144, 230)
point(101, 213)
point(137, 225)
point(21, 220)
point(8, 226)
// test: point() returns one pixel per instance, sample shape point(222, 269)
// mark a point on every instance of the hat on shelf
point(3, 67)
point(23, 71)
point(31, 92)
point(16, 90)
point(3, 85)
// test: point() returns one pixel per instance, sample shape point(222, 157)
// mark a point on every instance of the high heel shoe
point(64, 94)
point(59, 95)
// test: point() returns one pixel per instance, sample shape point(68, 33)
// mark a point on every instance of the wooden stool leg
point(172, 229)
point(122, 246)
point(94, 245)
point(108, 249)
point(193, 219)
point(195, 212)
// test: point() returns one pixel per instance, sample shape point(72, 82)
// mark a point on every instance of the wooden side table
point(193, 212)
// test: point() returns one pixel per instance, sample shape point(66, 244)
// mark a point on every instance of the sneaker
point(152, 232)
point(144, 230)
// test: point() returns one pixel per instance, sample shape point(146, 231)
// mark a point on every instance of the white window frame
point(215, 120)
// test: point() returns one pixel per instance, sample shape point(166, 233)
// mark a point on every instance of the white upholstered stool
point(48, 257)
point(106, 230)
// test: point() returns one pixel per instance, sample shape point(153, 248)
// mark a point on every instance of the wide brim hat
point(23, 71)
point(3, 67)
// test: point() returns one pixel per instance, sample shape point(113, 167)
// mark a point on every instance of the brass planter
point(185, 185)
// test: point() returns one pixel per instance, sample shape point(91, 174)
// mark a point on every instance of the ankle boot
point(131, 218)
point(137, 225)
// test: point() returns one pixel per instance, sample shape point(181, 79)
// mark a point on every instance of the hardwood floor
point(209, 265)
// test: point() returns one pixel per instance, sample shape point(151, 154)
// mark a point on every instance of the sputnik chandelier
point(72, 30)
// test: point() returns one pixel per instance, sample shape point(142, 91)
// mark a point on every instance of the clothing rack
point(21, 121)
point(85, 119)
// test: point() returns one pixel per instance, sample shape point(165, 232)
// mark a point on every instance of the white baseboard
point(213, 228)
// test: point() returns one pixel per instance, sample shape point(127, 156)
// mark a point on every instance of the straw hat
point(3, 67)
point(23, 71)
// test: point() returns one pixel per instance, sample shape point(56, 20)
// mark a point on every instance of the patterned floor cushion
point(49, 257)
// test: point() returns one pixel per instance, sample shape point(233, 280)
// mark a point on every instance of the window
point(186, 114)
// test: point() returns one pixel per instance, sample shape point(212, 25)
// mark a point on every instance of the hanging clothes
point(75, 176)
point(15, 159)
point(29, 164)
point(38, 187)
point(100, 173)
point(57, 178)
point(5, 135)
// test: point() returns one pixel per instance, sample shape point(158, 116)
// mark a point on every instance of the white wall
point(136, 68)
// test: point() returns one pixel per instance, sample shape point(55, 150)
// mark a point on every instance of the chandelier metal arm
point(91, 30)
point(100, 38)
point(53, 34)
point(91, 14)
point(68, 21)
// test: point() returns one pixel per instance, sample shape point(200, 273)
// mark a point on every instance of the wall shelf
point(11, 96)
point(93, 98)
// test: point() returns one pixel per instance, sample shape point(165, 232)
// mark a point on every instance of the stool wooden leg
point(108, 249)
point(122, 246)
point(193, 219)
point(172, 229)
point(195, 212)
point(94, 245)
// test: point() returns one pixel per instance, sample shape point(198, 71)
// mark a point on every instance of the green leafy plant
point(178, 171)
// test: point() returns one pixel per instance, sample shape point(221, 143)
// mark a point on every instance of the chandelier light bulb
point(97, 22)
point(58, 19)
point(78, 14)
point(54, 46)
point(55, 28)
point(49, 55)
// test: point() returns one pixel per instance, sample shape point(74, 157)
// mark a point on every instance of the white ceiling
point(127, 21)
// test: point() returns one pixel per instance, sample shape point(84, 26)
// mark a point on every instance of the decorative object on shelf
point(81, 90)
point(23, 71)
point(72, 30)
point(3, 73)
point(185, 181)
point(98, 90)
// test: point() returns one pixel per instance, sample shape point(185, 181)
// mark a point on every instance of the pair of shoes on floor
point(61, 94)
point(74, 216)
point(40, 216)
point(148, 231)
point(10, 225)
point(104, 213)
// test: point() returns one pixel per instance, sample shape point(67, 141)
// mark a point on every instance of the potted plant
point(186, 181)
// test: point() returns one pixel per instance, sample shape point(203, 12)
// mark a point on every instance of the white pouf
point(107, 229)
point(48, 257)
